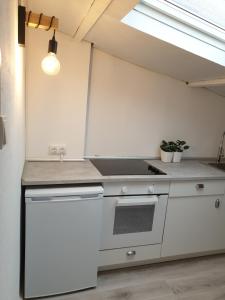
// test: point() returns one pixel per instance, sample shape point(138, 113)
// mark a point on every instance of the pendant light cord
point(39, 21)
point(50, 24)
point(28, 18)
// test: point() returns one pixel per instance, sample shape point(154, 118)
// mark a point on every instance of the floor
point(191, 279)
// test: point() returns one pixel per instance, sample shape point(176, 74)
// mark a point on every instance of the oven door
point(133, 221)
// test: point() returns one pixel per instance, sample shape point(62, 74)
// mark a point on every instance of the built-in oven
point(133, 214)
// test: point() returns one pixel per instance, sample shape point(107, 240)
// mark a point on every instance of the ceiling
point(70, 12)
point(110, 35)
point(149, 52)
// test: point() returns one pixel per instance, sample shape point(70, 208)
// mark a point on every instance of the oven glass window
point(132, 219)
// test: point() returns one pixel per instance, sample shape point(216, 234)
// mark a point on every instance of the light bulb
point(50, 64)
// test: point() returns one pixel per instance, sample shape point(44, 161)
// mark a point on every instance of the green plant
point(181, 146)
point(168, 146)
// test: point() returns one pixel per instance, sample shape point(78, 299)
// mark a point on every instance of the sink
point(220, 166)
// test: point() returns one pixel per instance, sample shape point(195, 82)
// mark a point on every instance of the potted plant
point(167, 150)
point(180, 146)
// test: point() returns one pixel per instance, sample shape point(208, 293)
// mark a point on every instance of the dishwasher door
point(61, 239)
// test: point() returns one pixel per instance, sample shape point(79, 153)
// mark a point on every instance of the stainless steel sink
point(220, 166)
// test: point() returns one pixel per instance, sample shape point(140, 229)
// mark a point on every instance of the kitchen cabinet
point(195, 219)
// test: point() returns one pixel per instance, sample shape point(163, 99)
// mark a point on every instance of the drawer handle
point(200, 186)
point(131, 253)
point(217, 203)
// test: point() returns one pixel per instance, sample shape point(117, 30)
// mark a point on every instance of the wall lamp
point(50, 64)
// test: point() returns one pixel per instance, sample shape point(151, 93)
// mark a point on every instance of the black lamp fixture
point(50, 64)
point(52, 45)
point(21, 24)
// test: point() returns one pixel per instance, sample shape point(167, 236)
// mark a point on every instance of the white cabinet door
point(194, 224)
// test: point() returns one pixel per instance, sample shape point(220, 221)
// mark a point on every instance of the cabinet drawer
point(128, 255)
point(197, 188)
point(130, 188)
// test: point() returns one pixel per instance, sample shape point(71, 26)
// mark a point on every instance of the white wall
point(132, 110)
point(56, 106)
point(12, 156)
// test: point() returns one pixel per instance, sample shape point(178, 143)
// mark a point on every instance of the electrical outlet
point(62, 149)
point(53, 150)
point(57, 149)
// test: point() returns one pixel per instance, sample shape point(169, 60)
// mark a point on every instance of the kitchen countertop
point(77, 172)
point(56, 172)
point(188, 170)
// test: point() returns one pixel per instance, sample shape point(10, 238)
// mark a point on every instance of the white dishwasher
point(62, 232)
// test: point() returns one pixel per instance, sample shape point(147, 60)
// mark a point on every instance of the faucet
point(221, 149)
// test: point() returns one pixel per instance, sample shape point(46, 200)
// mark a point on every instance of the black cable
point(28, 18)
point(39, 21)
point(51, 22)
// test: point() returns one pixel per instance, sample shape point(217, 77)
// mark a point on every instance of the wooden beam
point(95, 11)
point(206, 83)
point(45, 21)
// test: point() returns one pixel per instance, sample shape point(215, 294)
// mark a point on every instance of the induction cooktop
point(110, 167)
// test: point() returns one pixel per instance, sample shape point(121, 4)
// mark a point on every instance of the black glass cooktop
point(110, 167)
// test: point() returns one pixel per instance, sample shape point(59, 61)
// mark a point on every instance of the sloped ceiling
point(125, 42)
point(149, 52)
point(120, 40)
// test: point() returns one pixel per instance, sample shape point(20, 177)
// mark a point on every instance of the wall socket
point(57, 149)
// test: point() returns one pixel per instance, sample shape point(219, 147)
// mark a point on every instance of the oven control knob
point(151, 189)
point(124, 190)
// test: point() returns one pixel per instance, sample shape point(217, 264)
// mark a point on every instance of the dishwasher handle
point(136, 201)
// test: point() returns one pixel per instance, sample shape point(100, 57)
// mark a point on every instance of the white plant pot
point(177, 156)
point(166, 156)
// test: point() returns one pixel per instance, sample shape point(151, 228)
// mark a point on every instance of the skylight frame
point(184, 17)
point(196, 14)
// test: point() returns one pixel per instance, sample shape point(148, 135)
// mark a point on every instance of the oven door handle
point(135, 201)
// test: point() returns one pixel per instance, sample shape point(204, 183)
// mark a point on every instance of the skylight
point(197, 26)
point(211, 11)
point(207, 16)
